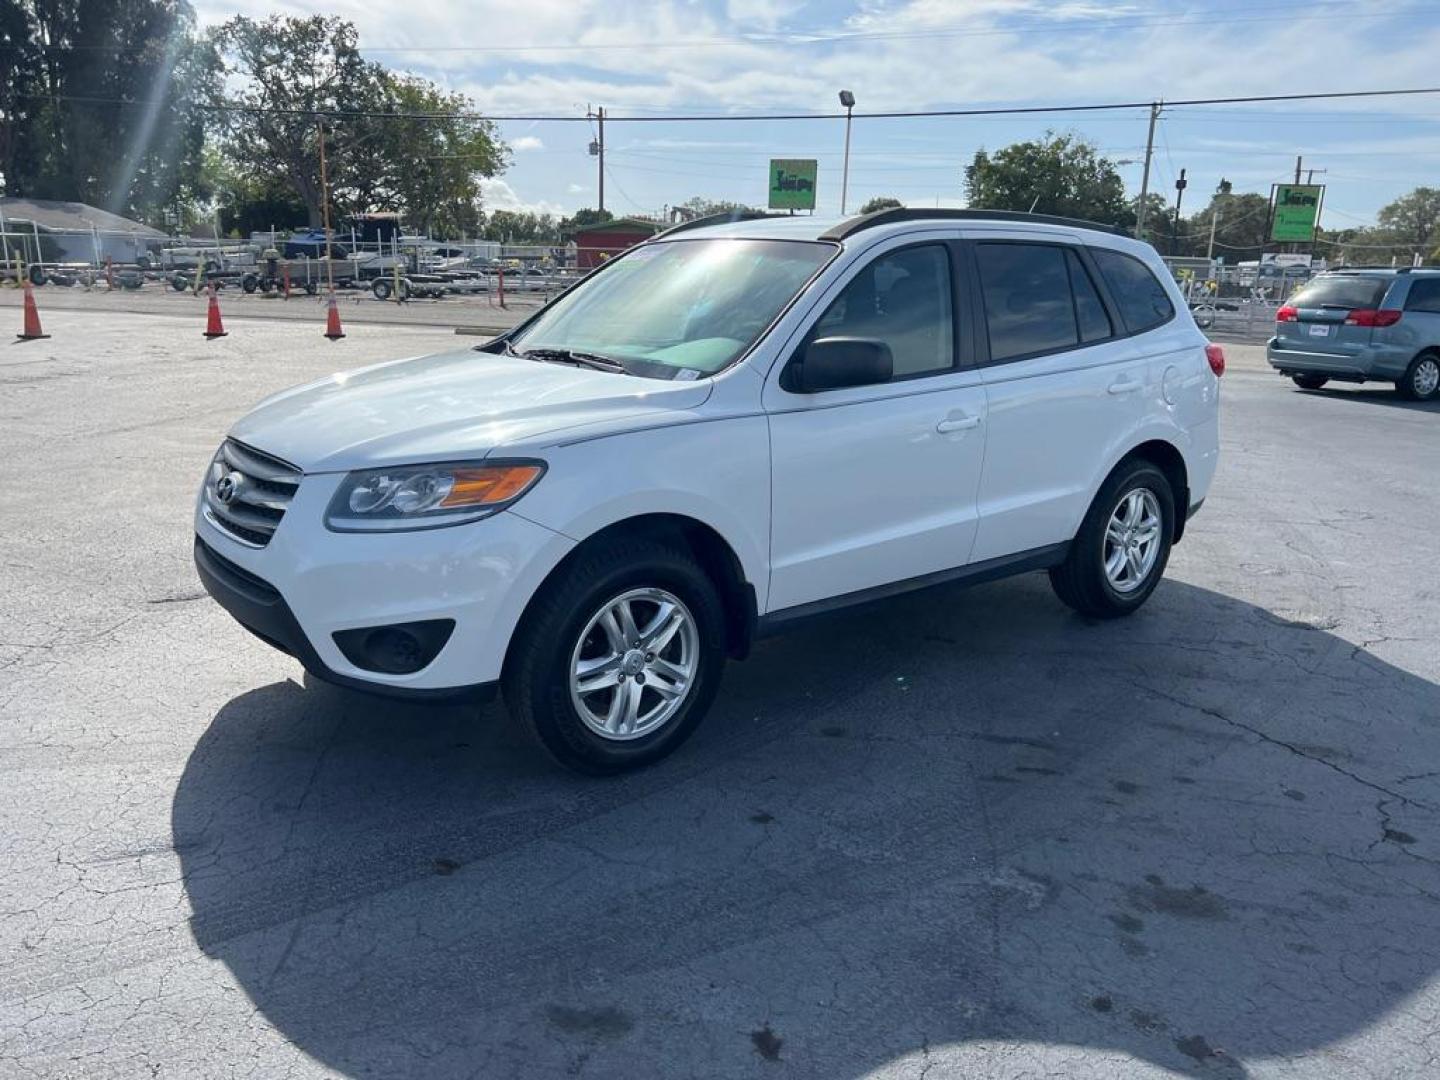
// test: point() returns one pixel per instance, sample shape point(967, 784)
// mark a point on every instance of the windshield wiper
point(571, 356)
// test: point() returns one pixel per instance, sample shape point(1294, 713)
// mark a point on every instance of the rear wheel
point(1310, 382)
point(1421, 380)
point(619, 657)
point(1119, 555)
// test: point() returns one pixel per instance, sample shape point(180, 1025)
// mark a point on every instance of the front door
point(876, 484)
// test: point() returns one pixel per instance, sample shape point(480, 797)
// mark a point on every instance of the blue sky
point(681, 57)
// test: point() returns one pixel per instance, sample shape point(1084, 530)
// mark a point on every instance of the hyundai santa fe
point(725, 429)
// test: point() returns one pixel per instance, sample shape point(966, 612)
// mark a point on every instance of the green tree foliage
point(392, 142)
point(700, 206)
point(884, 202)
point(1413, 220)
point(1239, 228)
point(521, 227)
point(584, 218)
point(99, 102)
point(1058, 174)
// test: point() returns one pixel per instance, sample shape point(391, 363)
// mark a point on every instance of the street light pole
point(847, 99)
point(1222, 189)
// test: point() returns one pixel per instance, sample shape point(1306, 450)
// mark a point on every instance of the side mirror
point(835, 362)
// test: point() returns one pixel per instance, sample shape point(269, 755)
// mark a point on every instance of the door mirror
point(835, 362)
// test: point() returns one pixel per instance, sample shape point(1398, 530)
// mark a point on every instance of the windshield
point(1342, 291)
point(692, 305)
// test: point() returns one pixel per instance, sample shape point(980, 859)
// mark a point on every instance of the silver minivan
point(1362, 324)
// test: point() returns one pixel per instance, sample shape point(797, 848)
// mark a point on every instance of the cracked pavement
point(960, 834)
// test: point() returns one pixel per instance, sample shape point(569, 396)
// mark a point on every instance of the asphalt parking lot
point(960, 834)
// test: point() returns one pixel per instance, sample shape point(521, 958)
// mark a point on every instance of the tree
point(584, 218)
point(1059, 174)
point(99, 101)
point(391, 142)
point(521, 227)
point(883, 202)
point(1239, 229)
point(1413, 221)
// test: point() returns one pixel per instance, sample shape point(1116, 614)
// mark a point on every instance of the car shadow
point(944, 825)
point(1374, 395)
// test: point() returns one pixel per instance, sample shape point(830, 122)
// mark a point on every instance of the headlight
point(428, 496)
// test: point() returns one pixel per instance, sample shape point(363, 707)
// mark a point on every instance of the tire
point(311, 288)
point(36, 273)
point(1310, 382)
point(179, 283)
point(381, 289)
point(250, 283)
point(562, 627)
point(1082, 580)
point(1421, 381)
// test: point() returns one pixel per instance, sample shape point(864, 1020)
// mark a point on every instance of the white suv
point(727, 428)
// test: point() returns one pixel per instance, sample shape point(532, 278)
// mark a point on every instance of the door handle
point(1125, 386)
point(962, 423)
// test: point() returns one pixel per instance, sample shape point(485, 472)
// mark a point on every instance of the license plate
point(1319, 331)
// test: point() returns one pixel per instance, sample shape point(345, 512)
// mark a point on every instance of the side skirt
point(1043, 558)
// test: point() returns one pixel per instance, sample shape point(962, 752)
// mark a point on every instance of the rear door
point(1317, 317)
point(1064, 384)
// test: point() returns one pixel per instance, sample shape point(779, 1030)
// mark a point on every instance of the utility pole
point(1145, 175)
point(324, 207)
point(597, 151)
point(847, 99)
point(1224, 188)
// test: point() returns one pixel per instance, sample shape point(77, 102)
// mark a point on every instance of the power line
point(1019, 110)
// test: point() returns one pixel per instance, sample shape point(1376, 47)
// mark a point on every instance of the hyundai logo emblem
point(228, 486)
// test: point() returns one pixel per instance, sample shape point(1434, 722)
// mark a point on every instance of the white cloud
point(526, 142)
point(496, 194)
point(575, 189)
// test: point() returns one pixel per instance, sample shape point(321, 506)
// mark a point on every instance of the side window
point(1028, 307)
point(1424, 295)
point(1089, 310)
point(905, 300)
point(1142, 300)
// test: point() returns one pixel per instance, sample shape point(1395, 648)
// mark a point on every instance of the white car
point(725, 429)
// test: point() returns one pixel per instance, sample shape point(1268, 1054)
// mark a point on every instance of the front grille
point(258, 489)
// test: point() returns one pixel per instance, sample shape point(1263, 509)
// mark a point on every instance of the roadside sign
point(792, 183)
point(1280, 258)
point(1297, 208)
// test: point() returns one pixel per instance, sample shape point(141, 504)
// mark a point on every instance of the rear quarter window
point(1424, 295)
point(1143, 302)
point(1348, 291)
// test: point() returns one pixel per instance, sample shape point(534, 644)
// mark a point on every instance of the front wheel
point(1119, 555)
point(619, 657)
point(1309, 382)
point(1421, 380)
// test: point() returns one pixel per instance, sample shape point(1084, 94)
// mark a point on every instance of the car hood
point(451, 406)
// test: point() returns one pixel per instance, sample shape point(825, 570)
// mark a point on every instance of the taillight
point(1216, 355)
point(1287, 314)
point(1373, 317)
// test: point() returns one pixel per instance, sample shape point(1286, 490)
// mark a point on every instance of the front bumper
point(258, 606)
point(308, 584)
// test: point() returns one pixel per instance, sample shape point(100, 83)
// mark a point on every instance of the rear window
point(1142, 300)
point(1348, 291)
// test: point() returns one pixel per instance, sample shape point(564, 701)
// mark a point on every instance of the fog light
point(400, 649)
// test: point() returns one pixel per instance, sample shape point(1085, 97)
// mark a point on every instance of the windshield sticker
point(686, 374)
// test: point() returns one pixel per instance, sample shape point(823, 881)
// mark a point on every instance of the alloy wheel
point(634, 664)
point(1132, 540)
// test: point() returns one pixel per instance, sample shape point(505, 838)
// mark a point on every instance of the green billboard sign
point(792, 183)
point(1297, 208)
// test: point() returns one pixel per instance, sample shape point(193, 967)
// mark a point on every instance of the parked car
point(715, 434)
point(1358, 325)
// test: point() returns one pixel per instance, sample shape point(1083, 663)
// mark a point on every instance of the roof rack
point(725, 217)
point(892, 216)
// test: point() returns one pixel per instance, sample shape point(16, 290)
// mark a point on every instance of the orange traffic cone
point(213, 326)
point(332, 320)
point(31, 330)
